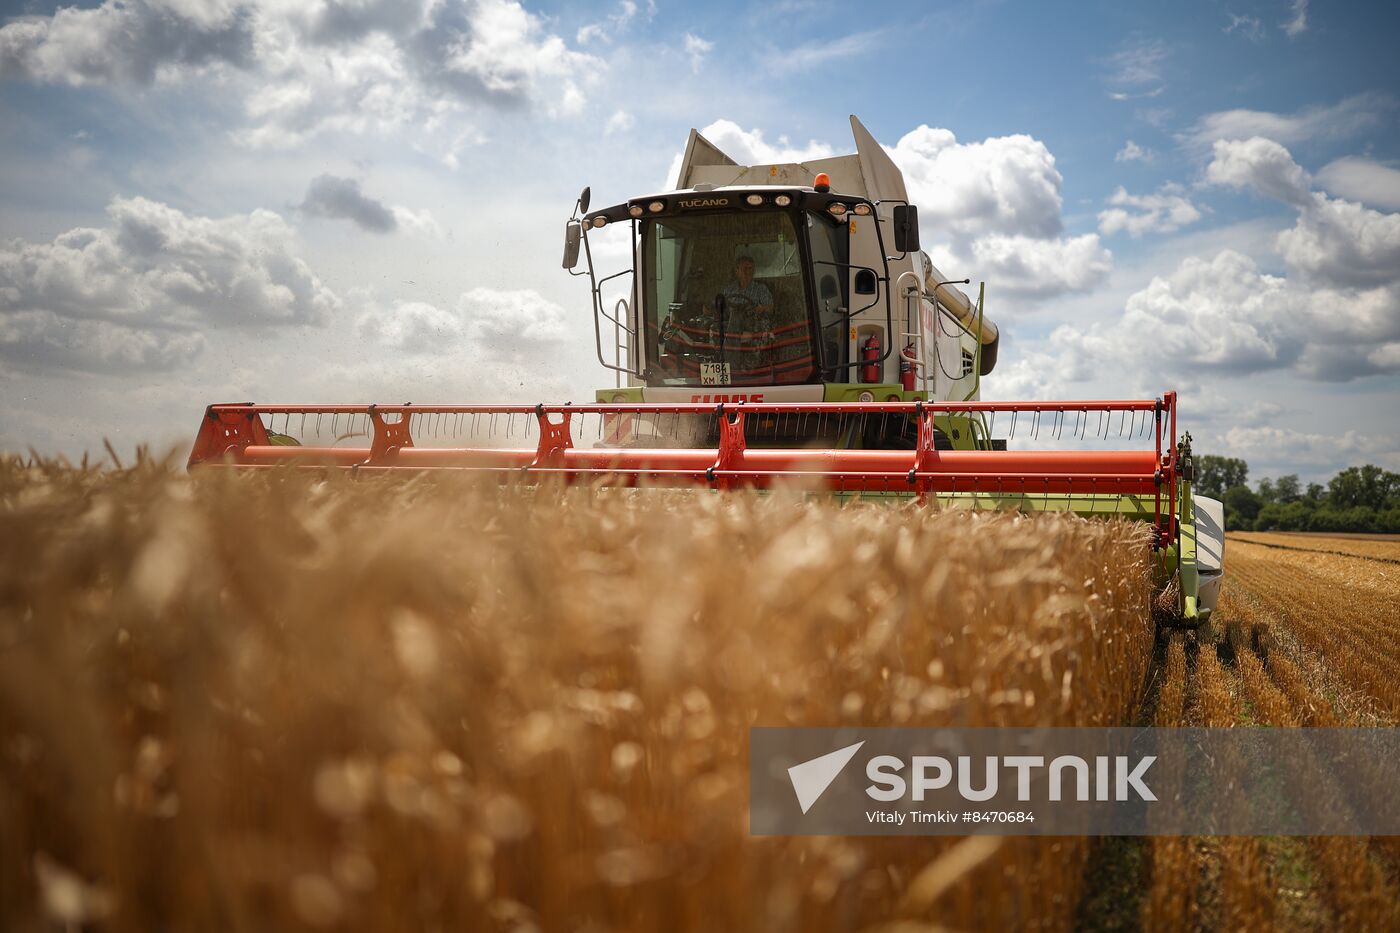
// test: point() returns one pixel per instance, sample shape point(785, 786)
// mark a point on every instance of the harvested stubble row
point(1376, 901)
point(273, 701)
point(1384, 548)
point(1256, 678)
point(1357, 890)
point(1246, 890)
point(1171, 900)
point(1341, 608)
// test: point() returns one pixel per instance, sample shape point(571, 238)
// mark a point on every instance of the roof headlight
point(754, 199)
point(600, 221)
point(782, 200)
point(836, 209)
point(656, 207)
point(862, 209)
point(635, 210)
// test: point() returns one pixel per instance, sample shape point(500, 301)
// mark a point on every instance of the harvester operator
point(754, 295)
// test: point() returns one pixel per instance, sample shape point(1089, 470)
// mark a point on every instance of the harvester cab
point(797, 282)
point(779, 326)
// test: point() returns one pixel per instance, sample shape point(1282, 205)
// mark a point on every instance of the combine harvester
point(781, 327)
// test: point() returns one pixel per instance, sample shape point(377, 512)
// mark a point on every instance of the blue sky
point(229, 199)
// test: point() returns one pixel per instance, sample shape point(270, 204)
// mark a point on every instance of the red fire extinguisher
point(906, 367)
point(870, 357)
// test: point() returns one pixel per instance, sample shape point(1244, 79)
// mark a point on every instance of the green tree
point(1316, 493)
point(1241, 507)
point(1356, 518)
point(1215, 474)
point(1367, 485)
point(1267, 493)
point(1284, 516)
point(1288, 488)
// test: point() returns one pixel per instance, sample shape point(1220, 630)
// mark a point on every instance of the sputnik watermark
point(1074, 781)
point(933, 773)
point(889, 784)
point(811, 778)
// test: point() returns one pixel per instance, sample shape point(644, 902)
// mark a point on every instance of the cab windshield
point(725, 301)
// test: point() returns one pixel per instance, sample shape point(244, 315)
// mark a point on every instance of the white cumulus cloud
point(369, 66)
point(1334, 315)
point(1132, 152)
point(1299, 450)
point(1344, 118)
point(506, 324)
point(1135, 214)
point(1262, 164)
point(1034, 266)
point(1334, 241)
point(141, 290)
point(412, 326)
point(992, 209)
point(1364, 180)
point(1006, 184)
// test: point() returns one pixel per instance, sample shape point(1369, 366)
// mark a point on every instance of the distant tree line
point(1365, 498)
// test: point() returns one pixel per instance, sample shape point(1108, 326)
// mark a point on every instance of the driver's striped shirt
point(757, 293)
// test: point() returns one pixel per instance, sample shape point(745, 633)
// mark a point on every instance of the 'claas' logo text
point(755, 398)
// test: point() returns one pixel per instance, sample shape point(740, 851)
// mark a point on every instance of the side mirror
point(906, 228)
point(573, 233)
point(866, 282)
point(583, 200)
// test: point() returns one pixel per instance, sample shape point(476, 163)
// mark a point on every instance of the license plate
point(714, 374)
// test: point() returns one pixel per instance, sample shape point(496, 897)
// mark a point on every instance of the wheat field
point(294, 701)
point(287, 701)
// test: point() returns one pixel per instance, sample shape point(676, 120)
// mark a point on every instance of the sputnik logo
point(810, 779)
